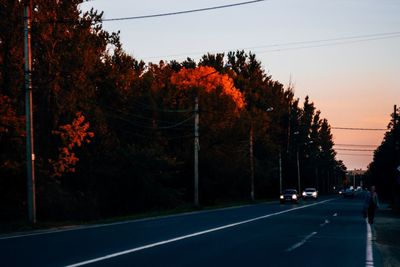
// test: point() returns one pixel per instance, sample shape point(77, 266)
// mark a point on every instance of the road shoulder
point(387, 225)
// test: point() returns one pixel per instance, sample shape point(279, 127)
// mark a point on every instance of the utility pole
point(298, 168)
point(280, 171)
point(288, 130)
point(396, 158)
point(30, 156)
point(251, 141)
point(395, 138)
point(196, 151)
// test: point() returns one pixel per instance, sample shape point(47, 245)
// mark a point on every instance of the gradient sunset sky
point(344, 54)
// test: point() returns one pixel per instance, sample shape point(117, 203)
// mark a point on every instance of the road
point(327, 232)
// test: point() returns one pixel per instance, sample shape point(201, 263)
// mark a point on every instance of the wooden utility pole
point(280, 171)
point(298, 168)
point(196, 151)
point(251, 141)
point(396, 162)
point(30, 155)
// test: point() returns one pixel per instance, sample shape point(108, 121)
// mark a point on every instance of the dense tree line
point(114, 135)
point(382, 171)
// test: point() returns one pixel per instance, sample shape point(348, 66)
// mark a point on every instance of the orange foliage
point(9, 120)
point(71, 135)
point(207, 79)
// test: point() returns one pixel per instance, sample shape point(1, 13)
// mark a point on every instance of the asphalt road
point(327, 232)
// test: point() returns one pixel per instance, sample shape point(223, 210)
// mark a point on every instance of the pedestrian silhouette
point(371, 204)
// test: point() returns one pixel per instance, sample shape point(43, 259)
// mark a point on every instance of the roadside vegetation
point(113, 135)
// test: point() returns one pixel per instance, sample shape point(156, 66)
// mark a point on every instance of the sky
point(353, 76)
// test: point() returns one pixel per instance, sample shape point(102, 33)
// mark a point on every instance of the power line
point(137, 103)
point(143, 107)
point(356, 145)
point(358, 129)
point(364, 155)
point(372, 35)
point(167, 137)
point(145, 121)
point(185, 11)
point(152, 128)
point(294, 45)
point(329, 44)
point(348, 149)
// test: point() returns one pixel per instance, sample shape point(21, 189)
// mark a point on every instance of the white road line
point(301, 242)
point(324, 223)
point(369, 262)
point(83, 227)
point(128, 251)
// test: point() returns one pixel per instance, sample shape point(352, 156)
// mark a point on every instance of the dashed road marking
point(156, 244)
point(324, 223)
point(297, 245)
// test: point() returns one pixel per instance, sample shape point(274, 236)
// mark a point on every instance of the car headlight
point(294, 197)
point(304, 194)
point(314, 194)
point(281, 197)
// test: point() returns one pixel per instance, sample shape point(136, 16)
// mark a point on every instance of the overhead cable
point(349, 149)
point(153, 128)
point(364, 155)
point(359, 129)
point(356, 145)
point(299, 44)
point(185, 11)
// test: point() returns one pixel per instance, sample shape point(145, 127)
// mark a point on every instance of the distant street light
point(298, 164)
point(197, 145)
point(269, 109)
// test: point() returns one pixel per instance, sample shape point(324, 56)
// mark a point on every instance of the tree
point(141, 116)
point(72, 136)
point(206, 80)
point(12, 137)
point(222, 104)
point(327, 155)
point(382, 171)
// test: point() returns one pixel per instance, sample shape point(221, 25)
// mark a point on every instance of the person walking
point(371, 204)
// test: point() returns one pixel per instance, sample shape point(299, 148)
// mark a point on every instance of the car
point(341, 191)
point(310, 193)
point(348, 192)
point(289, 195)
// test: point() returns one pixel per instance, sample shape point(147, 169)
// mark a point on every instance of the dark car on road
point(348, 192)
point(310, 193)
point(289, 195)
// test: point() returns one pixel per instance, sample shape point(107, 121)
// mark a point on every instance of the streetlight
point(269, 109)
point(197, 145)
point(298, 164)
point(297, 160)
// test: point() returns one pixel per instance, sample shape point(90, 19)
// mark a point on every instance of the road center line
point(132, 250)
point(301, 242)
point(324, 223)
